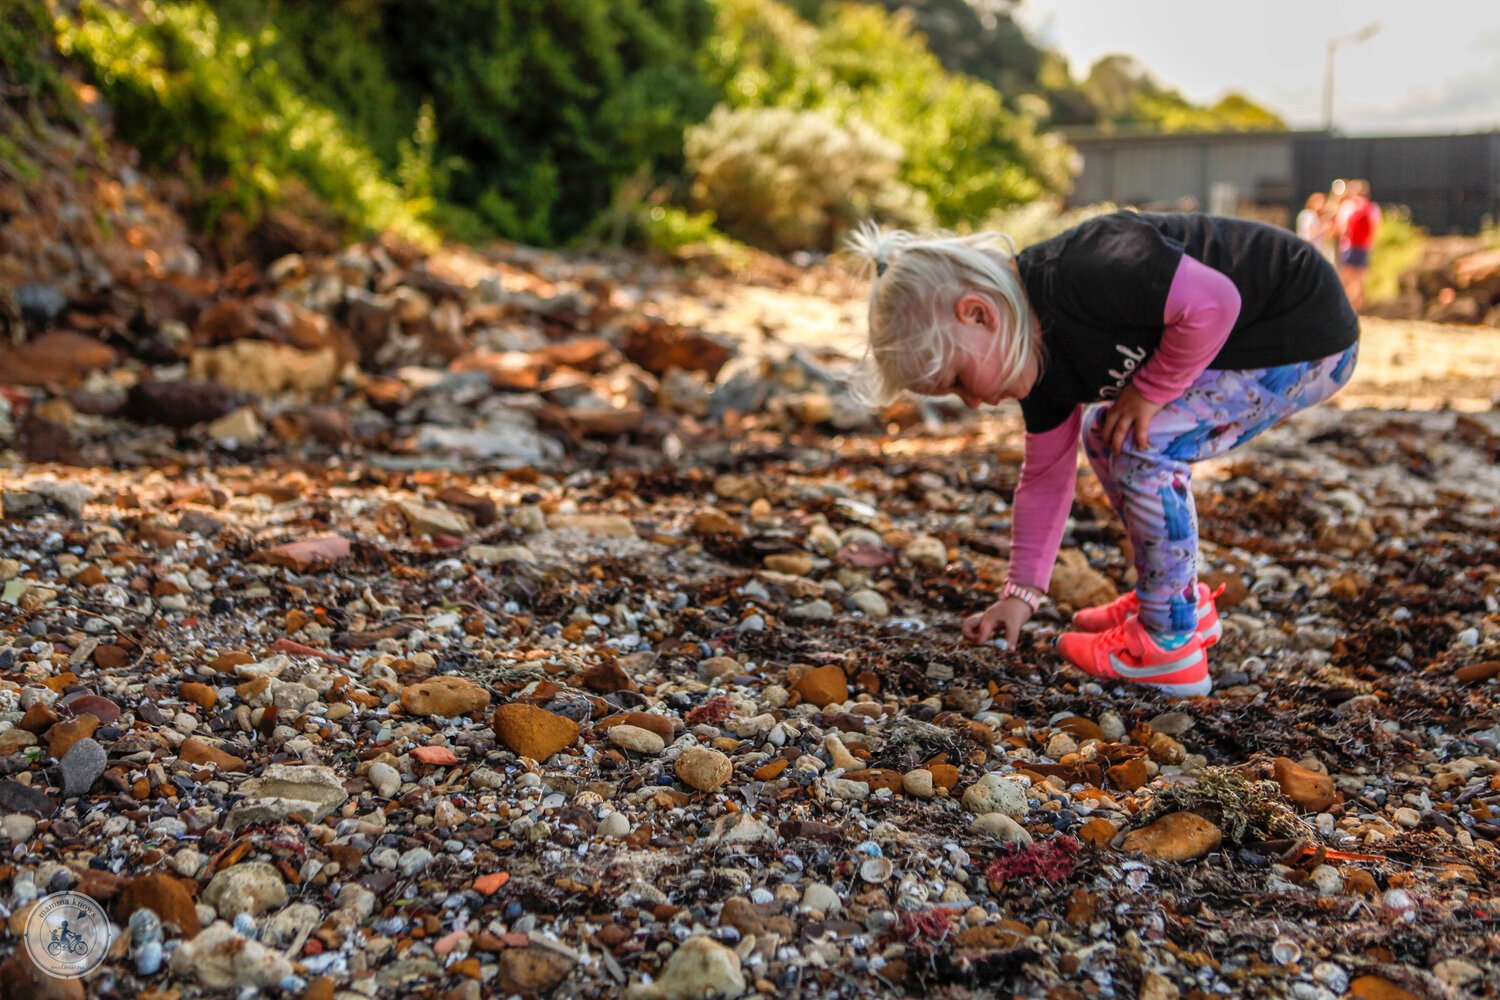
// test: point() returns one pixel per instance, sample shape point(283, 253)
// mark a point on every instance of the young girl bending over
point(1160, 340)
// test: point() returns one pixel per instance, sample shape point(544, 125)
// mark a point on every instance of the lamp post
point(1362, 35)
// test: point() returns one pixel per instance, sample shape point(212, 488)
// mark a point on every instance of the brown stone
point(446, 695)
point(1235, 590)
point(196, 751)
point(201, 695)
point(1082, 906)
point(748, 918)
point(163, 894)
point(712, 521)
point(1075, 584)
point(308, 555)
point(772, 770)
point(877, 778)
point(1165, 750)
point(111, 657)
point(533, 732)
point(1476, 672)
point(993, 937)
point(56, 357)
point(62, 736)
point(321, 988)
point(1179, 836)
point(1312, 791)
point(649, 721)
point(1358, 882)
point(792, 563)
point(944, 775)
point(1097, 831)
point(89, 576)
point(228, 661)
point(1081, 729)
point(22, 980)
point(607, 678)
point(823, 686)
point(1129, 776)
point(38, 719)
point(1379, 988)
point(531, 970)
point(704, 769)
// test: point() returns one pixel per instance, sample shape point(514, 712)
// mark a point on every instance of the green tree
point(961, 146)
point(546, 107)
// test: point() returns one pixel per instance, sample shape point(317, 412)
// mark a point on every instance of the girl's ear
point(977, 309)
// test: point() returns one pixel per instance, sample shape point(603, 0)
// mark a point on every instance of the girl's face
point(976, 373)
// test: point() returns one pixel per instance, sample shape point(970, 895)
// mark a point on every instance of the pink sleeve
point(1044, 497)
point(1202, 305)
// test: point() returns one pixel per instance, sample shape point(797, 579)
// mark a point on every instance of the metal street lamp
point(1362, 35)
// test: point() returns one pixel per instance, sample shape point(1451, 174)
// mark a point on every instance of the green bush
point(1398, 246)
point(794, 180)
point(960, 145)
point(189, 93)
point(1042, 220)
point(544, 108)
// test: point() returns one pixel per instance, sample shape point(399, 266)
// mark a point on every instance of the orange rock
point(195, 751)
point(199, 694)
point(38, 719)
point(226, 663)
point(165, 895)
point(772, 770)
point(62, 736)
point(318, 552)
point(488, 885)
point(1097, 831)
point(1476, 672)
point(1080, 728)
point(712, 521)
point(89, 576)
point(1129, 776)
point(57, 357)
point(1165, 750)
point(1312, 791)
point(649, 721)
point(1359, 882)
point(111, 657)
point(1179, 836)
point(435, 755)
point(823, 686)
point(944, 775)
point(1379, 988)
point(533, 732)
point(446, 695)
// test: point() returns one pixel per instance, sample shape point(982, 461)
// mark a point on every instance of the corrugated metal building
point(1451, 183)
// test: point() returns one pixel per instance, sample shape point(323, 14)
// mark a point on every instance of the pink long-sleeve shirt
point(1202, 306)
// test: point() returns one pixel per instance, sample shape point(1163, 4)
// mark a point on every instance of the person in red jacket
point(1357, 223)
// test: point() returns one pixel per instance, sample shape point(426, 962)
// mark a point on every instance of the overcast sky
point(1434, 65)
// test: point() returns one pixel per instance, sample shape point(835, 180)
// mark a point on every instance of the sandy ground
point(1404, 365)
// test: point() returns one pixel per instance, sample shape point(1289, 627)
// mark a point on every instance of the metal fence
point(1451, 183)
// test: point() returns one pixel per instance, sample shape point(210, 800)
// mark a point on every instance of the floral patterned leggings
point(1151, 489)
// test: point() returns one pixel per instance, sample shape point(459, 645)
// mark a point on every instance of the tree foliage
point(965, 150)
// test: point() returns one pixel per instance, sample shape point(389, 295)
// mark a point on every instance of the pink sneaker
point(1112, 615)
point(1128, 653)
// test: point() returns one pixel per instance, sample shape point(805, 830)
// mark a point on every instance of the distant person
point(1315, 224)
point(1357, 224)
point(1160, 341)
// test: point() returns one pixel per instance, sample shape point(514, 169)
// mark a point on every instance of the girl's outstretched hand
point(1131, 412)
point(1009, 615)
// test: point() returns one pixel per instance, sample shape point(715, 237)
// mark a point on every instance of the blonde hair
point(918, 280)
